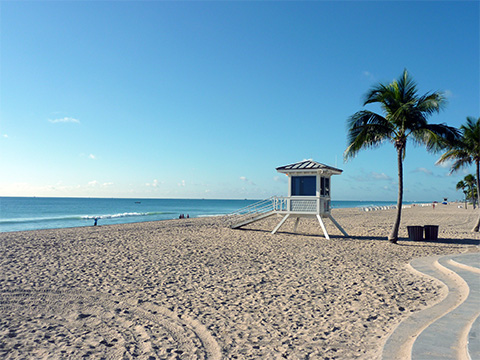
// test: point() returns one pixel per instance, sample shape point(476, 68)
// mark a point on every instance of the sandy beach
point(196, 289)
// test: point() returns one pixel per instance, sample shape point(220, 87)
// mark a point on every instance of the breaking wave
point(122, 215)
point(46, 219)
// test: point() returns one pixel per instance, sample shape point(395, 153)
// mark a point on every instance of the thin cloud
point(368, 75)
point(91, 156)
point(429, 172)
point(446, 164)
point(64, 120)
point(244, 179)
point(372, 176)
point(154, 183)
point(95, 183)
point(422, 170)
point(448, 94)
point(380, 176)
point(280, 179)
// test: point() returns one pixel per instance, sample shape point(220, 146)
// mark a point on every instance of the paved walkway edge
point(433, 327)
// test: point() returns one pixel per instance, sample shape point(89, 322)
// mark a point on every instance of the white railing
point(280, 203)
point(252, 211)
point(297, 204)
point(258, 207)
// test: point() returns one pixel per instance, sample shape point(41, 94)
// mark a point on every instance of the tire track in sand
point(77, 324)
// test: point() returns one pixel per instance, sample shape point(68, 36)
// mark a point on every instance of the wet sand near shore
point(196, 289)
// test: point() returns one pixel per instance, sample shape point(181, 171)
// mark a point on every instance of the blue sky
point(205, 99)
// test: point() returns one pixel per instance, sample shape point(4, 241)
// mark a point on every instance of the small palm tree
point(405, 117)
point(471, 186)
point(474, 196)
point(466, 152)
point(461, 185)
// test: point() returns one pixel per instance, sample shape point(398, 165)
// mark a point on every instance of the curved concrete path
point(449, 329)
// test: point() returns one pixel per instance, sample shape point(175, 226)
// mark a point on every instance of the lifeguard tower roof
point(308, 165)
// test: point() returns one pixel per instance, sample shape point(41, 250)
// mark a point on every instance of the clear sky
point(197, 99)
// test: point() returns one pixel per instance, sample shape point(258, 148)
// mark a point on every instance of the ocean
point(34, 213)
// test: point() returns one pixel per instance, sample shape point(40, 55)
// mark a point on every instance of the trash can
point(415, 232)
point(431, 232)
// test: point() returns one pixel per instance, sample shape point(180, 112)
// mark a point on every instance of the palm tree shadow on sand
point(408, 242)
point(401, 242)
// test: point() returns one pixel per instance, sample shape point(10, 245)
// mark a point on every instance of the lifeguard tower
point(308, 196)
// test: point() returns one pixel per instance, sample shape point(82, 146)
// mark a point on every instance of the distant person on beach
point(95, 221)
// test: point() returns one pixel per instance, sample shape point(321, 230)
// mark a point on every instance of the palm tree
point(405, 117)
point(461, 185)
point(474, 196)
point(469, 187)
point(471, 184)
point(466, 152)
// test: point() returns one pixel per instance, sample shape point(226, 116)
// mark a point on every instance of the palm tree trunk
point(477, 226)
point(393, 237)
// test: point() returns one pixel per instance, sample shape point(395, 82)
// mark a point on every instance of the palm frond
point(471, 136)
point(470, 179)
point(465, 150)
point(460, 159)
point(473, 124)
point(366, 129)
point(406, 117)
point(407, 88)
point(377, 94)
point(460, 185)
point(452, 154)
point(436, 137)
point(431, 103)
point(460, 164)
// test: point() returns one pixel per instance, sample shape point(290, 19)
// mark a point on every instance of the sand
point(196, 289)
